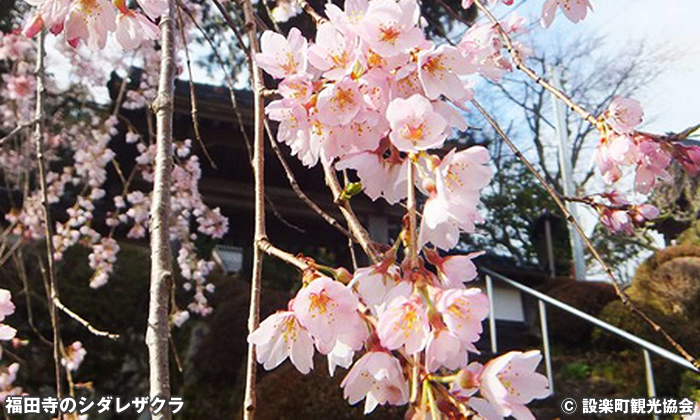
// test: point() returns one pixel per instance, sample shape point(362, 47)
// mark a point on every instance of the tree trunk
point(158, 330)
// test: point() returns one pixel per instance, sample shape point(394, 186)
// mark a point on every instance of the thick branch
point(358, 231)
point(158, 329)
point(260, 233)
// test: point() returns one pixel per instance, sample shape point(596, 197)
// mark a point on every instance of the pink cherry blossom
point(463, 310)
point(49, 13)
point(74, 356)
point(415, 125)
point(374, 283)
point(440, 227)
point(282, 57)
point(153, 8)
point(90, 21)
point(624, 114)
point(390, 27)
point(8, 375)
point(377, 376)
point(339, 103)
point(467, 381)
point(285, 10)
point(574, 10)
point(404, 323)
point(6, 305)
point(280, 336)
point(380, 177)
point(688, 156)
point(348, 20)
point(445, 349)
point(508, 382)
point(455, 270)
point(461, 175)
point(134, 28)
point(482, 48)
point(328, 309)
point(652, 166)
point(439, 72)
point(333, 53)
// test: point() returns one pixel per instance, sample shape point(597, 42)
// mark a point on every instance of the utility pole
point(567, 176)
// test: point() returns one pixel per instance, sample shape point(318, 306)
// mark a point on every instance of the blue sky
point(673, 102)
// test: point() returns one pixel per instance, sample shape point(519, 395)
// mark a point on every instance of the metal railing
point(544, 300)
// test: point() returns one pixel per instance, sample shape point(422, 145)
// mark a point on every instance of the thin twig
point(318, 19)
point(608, 271)
point(193, 96)
point(295, 185)
point(520, 65)
point(52, 289)
point(16, 130)
point(265, 246)
point(80, 320)
point(19, 263)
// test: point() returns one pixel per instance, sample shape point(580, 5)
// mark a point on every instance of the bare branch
point(158, 328)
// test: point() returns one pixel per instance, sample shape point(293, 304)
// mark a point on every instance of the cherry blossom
point(134, 28)
point(377, 377)
point(507, 383)
point(90, 21)
point(454, 270)
point(380, 176)
point(404, 323)
point(328, 310)
point(415, 125)
point(390, 27)
point(74, 356)
point(333, 53)
point(282, 57)
point(439, 72)
point(624, 114)
point(574, 10)
point(462, 311)
point(6, 308)
point(444, 348)
point(50, 13)
point(153, 8)
point(374, 283)
point(8, 375)
point(281, 336)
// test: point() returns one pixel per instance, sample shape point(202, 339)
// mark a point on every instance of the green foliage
point(513, 207)
point(576, 370)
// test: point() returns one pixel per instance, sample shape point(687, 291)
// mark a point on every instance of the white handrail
point(593, 320)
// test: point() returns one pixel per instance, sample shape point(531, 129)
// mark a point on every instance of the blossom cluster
point(79, 155)
point(395, 314)
point(373, 95)
point(650, 155)
point(91, 21)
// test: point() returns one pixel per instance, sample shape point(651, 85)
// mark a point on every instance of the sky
point(672, 103)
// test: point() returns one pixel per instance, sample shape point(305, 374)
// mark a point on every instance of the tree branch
point(608, 271)
point(260, 233)
point(52, 290)
point(158, 329)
